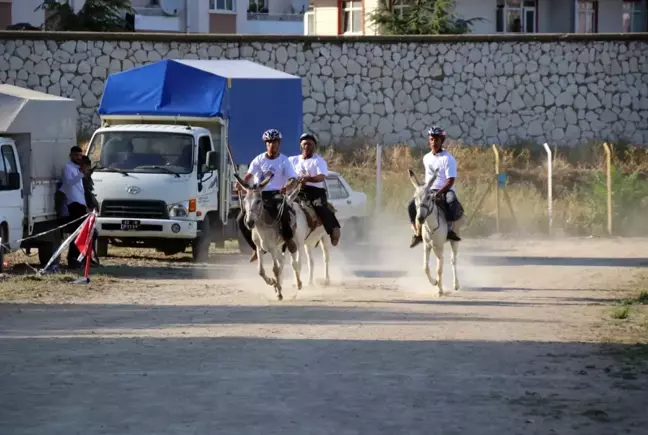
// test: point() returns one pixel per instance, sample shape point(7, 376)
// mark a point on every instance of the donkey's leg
point(426, 262)
point(438, 253)
point(325, 254)
point(454, 246)
point(311, 263)
point(277, 269)
point(296, 264)
point(266, 278)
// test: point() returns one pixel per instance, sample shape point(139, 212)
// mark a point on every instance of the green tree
point(421, 17)
point(94, 16)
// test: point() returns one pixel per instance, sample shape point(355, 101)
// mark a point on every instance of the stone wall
point(564, 89)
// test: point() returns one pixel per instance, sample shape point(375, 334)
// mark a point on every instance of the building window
point(351, 17)
point(222, 5)
point(634, 16)
point(309, 22)
point(258, 7)
point(399, 6)
point(516, 16)
point(587, 17)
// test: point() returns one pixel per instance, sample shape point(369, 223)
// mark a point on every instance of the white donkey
point(315, 233)
point(267, 237)
point(434, 231)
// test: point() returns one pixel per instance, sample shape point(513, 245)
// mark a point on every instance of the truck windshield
point(142, 151)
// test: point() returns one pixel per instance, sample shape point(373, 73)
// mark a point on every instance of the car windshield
point(142, 151)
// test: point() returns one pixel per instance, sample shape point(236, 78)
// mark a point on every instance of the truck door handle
point(348, 201)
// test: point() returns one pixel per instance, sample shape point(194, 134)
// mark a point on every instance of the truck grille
point(134, 209)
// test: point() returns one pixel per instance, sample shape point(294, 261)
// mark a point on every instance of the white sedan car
point(351, 205)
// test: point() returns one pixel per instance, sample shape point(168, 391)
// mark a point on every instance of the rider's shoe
point(335, 236)
point(416, 239)
point(453, 236)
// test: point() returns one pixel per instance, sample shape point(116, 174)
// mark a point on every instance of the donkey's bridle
point(276, 221)
point(428, 211)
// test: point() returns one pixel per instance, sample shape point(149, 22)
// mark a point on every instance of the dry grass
point(579, 195)
point(28, 287)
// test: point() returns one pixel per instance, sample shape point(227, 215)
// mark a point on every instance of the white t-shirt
point(315, 165)
point(446, 165)
point(261, 168)
point(73, 184)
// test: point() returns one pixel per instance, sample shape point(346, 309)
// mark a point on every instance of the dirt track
point(208, 350)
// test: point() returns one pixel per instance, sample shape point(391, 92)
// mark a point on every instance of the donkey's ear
point(265, 182)
point(431, 181)
point(415, 182)
point(242, 183)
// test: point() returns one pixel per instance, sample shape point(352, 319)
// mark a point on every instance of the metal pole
point(549, 187)
point(378, 178)
point(608, 164)
point(497, 196)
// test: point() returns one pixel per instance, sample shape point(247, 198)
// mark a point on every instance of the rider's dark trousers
point(272, 201)
point(447, 202)
point(316, 196)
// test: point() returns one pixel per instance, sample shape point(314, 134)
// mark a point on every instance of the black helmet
point(310, 136)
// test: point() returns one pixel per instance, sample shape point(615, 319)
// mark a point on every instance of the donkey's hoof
point(279, 297)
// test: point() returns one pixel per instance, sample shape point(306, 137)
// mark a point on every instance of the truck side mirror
point(213, 160)
point(13, 181)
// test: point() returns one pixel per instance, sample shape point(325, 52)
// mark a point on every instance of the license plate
point(130, 225)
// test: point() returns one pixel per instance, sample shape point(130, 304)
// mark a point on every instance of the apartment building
point(187, 16)
point(338, 17)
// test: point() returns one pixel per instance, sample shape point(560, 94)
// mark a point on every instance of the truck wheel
point(200, 245)
point(102, 247)
point(357, 229)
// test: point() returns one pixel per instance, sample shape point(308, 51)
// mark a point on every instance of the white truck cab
point(158, 186)
point(11, 195)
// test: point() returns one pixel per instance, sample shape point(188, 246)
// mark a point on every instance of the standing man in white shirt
point(271, 162)
point(312, 171)
point(443, 188)
point(72, 187)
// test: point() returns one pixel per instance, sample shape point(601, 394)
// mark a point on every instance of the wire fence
point(599, 190)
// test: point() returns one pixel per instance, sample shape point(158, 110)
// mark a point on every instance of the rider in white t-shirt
point(312, 171)
point(445, 164)
point(271, 162)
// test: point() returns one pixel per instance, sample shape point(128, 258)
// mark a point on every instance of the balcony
point(152, 19)
point(284, 17)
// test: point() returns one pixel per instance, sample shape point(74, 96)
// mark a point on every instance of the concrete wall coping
point(216, 38)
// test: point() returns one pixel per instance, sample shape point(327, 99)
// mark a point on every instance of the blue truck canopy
point(250, 96)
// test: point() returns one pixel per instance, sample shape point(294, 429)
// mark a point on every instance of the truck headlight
point(179, 210)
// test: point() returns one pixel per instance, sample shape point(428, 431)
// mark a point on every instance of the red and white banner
point(83, 241)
